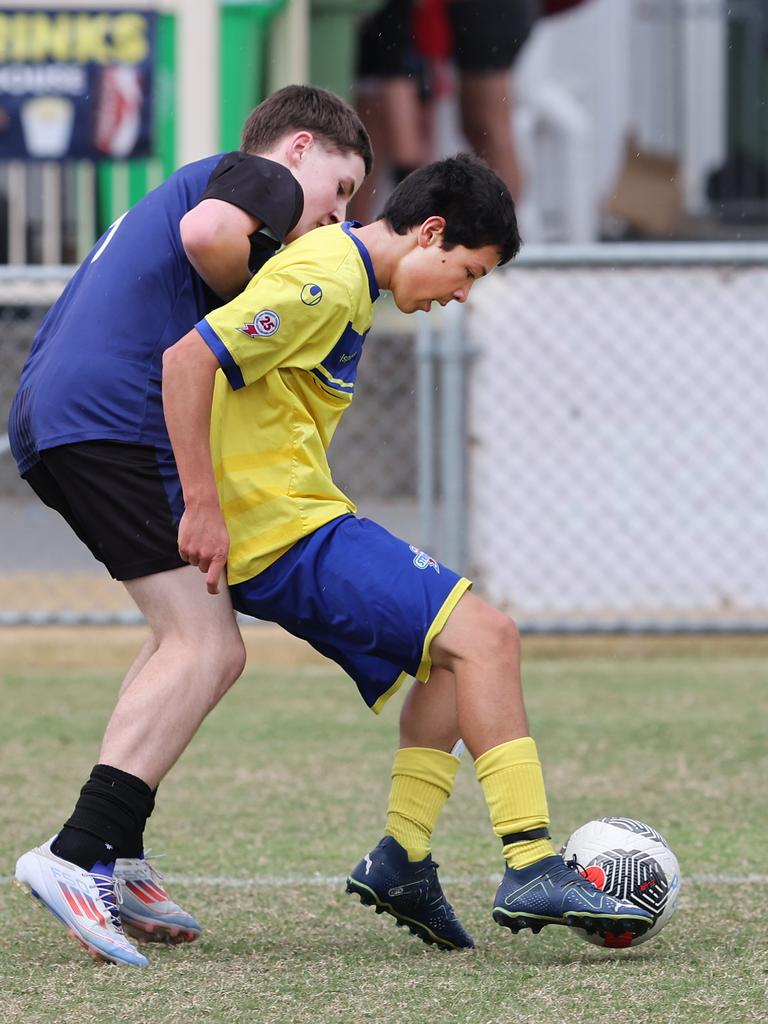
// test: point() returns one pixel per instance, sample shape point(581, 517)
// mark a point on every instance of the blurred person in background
point(402, 50)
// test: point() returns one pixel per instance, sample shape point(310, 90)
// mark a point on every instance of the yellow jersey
point(289, 346)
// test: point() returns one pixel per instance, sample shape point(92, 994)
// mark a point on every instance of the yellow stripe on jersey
point(288, 375)
point(333, 380)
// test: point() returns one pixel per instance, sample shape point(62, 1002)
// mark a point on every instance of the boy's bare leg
point(198, 654)
point(148, 648)
point(481, 647)
point(192, 657)
point(429, 717)
point(399, 875)
point(480, 643)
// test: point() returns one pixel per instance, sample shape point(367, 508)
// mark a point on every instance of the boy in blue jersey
point(288, 349)
point(88, 434)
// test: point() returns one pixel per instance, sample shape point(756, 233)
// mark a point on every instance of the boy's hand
point(204, 542)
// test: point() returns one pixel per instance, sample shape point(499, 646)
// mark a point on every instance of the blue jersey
point(95, 368)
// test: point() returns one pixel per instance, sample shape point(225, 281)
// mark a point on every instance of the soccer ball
point(631, 861)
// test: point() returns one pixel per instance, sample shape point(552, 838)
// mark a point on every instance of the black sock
point(133, 844)
point(108, 820)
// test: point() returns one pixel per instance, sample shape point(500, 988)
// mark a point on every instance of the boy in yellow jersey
point(288, 348)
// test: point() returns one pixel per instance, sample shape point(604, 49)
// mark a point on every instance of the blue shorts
point(367, 600)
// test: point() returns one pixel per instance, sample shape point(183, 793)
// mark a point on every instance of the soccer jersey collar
point(364, 255)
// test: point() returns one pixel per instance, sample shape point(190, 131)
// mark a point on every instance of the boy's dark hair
point(474, 201)
point(298, 108)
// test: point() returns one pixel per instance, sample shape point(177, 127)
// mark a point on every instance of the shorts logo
point(263, 324)
point(424, 561)
point(311, 294)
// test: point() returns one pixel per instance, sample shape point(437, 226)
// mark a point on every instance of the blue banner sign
point(76, 84)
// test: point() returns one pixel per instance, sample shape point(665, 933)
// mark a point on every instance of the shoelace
point(566, 873)
point(149, 859)
point(111, 894)
point(573, 863)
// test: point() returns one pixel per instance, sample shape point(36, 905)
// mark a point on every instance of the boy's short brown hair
point(308, 108)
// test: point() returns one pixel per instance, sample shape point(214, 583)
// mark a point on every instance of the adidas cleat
point(86, 903)
point(551, 892)
point(410, 891)
point(147, 911)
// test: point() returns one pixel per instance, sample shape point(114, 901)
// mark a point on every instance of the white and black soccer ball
point(631, 861)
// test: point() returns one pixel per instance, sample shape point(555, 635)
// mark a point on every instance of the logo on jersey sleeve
point(311, 294)
point(424, 561)
point(263, 324)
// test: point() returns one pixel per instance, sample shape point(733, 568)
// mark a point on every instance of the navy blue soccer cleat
point(551, 892)
point(410, 891)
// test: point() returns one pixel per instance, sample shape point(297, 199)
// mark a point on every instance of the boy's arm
point(189, 372)
point(216, 238)
point(248, 207)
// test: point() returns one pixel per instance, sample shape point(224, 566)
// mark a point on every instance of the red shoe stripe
point(148, 892)
point(82, 905)
point(74, 906)
point(86, 910)
point(137, 889)
point(160, 894)
point(97, 915)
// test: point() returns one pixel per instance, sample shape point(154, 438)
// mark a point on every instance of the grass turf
point(285, 788)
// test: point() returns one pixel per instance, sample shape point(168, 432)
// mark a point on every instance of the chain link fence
point(585, 438)
point(617, 468)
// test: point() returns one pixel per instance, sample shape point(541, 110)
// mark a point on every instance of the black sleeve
point(261, 187)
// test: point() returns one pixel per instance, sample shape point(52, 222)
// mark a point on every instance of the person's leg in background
point(488, 36)
point(390, 77)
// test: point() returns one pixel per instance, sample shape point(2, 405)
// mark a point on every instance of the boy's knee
point(229, 663)
point(215, 658)
point(502, 634)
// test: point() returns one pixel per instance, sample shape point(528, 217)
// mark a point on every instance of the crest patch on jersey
point(263, 324)
point(424, 561)
point(311, 294)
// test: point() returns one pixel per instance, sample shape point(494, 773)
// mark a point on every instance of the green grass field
point(285, 788)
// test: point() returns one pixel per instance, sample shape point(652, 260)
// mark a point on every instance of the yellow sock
point(513, 784)
point(422, 780)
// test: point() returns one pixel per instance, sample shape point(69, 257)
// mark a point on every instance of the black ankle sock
point(108, 820)
point(82, 848)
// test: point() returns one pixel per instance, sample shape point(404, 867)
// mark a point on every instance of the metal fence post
point(425, 413)
point(453, 355)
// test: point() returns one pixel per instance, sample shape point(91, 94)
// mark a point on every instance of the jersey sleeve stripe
point(231, 370)
point(327, 378)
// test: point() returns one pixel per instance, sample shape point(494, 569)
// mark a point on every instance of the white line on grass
point(328, 881)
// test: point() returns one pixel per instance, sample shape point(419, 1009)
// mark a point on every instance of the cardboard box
point(648, 195)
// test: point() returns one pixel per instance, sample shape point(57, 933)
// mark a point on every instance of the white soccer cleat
point(86, 902)
point(147, 911)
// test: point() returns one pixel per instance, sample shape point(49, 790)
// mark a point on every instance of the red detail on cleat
point(621, 941)
point(148, 892)
point(73, 904)
point(82, 905)
point(595, 875)
point(157, 891)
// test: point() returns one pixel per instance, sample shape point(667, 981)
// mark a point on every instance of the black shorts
point(489, 34)
point(122, 500)
point(386, 47)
